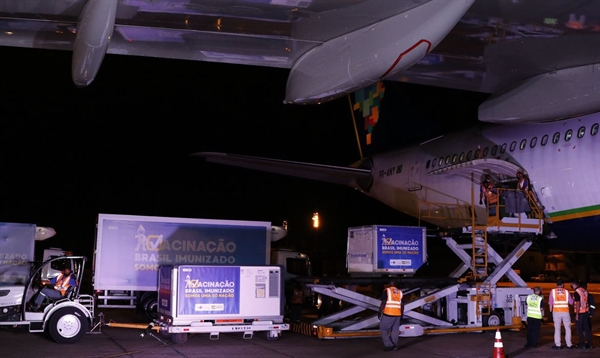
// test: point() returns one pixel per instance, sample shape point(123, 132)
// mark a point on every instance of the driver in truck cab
point(55, 288)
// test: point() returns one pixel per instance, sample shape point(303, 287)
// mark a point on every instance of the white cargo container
point(386, 249)
point(215, 299)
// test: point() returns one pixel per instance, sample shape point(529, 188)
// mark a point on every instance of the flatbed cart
point(179, 334)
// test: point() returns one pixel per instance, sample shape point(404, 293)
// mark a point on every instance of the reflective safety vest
point(583, 299)
point(561, 299)
point(393, 304)
point(491, 197)
point(62, 283)
point(534, 306)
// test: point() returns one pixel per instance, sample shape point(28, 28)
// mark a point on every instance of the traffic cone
point(498, 347)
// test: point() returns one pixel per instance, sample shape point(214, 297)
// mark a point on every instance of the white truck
point(66, 319)
point(130, 249)
point(217, 299)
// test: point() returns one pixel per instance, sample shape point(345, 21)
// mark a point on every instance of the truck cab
point(296, 264)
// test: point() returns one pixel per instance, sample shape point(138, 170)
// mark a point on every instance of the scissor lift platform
point(451, 309)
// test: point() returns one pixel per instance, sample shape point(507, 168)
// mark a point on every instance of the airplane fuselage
point(561, 159)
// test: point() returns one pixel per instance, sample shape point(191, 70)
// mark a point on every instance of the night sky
point(123, 145)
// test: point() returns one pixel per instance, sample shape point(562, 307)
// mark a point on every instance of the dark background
point(123, 145)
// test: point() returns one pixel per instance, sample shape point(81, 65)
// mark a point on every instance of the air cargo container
point(217, 299)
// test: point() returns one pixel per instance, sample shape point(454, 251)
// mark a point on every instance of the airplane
point(438, 181)
point(511, 49)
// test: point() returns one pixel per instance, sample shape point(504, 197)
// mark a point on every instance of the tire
point(179, 338)
point(150, 307)
point(495, 319)
point(67, 325)
point(272, 338)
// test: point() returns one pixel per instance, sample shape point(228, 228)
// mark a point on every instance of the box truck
point(67, 318)
point(215, 299)
point(130, 249)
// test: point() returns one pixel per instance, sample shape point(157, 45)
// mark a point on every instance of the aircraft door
point(414, 174)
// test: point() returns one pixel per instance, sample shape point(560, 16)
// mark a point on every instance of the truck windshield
point(298, 266)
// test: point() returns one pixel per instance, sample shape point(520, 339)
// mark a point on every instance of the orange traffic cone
point(498, 347)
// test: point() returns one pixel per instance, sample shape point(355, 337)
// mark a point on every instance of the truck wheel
point(67, 325)
point(179, 338)
point(273, 336)
point(150, 307)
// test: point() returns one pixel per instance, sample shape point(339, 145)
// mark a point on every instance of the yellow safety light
point(315, 220)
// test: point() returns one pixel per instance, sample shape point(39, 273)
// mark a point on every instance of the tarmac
point(112, 342)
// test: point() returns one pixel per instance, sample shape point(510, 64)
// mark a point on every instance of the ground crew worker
point(483, 189)
point(390, 313)
point(591, 305)
point(523, 183)
point(582, 315)
point(58, 288)
point(535, 313)
point(558, 302)
point(491, 198)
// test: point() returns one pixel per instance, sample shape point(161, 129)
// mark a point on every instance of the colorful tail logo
point(367, 101)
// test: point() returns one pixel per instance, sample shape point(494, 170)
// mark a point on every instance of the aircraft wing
point(324, 173)
point(514, 50)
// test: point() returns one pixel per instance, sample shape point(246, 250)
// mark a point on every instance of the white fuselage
point(561, 159)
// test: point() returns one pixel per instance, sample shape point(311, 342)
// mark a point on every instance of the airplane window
point(454, 158)
point(544, 140)
point(485, 151)
point(462, 157)
point(469, 155)
point(477, 154)
point(568, 135)
point(523, 144)
point(594, 130)
point(533, 142)
point(441, 161)
point(447, 159)
point(427, 165)
point(556, 137)
point(494, 150)
point(581, 132)
point(434, 162)
point(513, 145)
point(503, 148)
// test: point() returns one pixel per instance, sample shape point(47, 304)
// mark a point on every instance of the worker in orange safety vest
point(559, 301)
point(390, 313)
